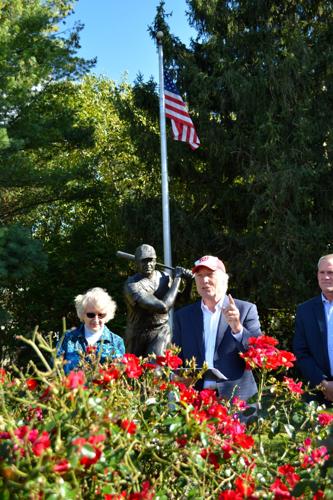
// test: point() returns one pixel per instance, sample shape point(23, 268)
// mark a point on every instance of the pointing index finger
point(231, 300)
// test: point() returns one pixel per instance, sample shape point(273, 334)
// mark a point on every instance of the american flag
point(175, 109)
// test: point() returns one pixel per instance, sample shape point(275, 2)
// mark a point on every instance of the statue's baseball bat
point(130, 256)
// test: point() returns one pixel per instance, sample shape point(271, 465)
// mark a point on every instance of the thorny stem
point(35, 348)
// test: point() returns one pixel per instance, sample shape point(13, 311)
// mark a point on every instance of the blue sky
point(116, 32)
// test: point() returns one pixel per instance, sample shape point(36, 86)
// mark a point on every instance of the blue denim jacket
point(74, 344)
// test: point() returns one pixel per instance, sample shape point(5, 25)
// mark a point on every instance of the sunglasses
point(92, 315)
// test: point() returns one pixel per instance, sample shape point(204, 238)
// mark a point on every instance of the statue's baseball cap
point(209, 261)
point(145, 252)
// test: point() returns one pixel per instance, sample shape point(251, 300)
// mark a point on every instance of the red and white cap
point(209, 261)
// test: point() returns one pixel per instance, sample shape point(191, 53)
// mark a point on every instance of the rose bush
point(131, 430)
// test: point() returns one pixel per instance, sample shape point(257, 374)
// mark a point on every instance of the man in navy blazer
point(215, 330)
point(313, 338)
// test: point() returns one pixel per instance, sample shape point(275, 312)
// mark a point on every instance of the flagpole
point(164, 161)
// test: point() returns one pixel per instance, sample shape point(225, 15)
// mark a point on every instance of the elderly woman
point(94, 309)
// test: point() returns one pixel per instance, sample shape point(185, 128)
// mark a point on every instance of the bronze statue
point(149, 295)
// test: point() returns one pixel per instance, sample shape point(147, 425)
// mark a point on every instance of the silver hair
point(98, 298)
point(225, 276)
point(325, 257)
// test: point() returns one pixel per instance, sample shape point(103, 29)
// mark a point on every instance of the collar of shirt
point(328, 306)
point(92, 337)
point(325, 300)
point(218, 306)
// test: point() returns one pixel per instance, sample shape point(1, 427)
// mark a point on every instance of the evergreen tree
point(258, 80)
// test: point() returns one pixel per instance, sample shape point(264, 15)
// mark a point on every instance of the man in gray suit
point(216, 329)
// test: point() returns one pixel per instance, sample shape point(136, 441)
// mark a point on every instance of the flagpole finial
point(159, 36)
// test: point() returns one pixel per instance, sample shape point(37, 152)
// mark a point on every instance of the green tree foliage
point(92, 199)
point(20, 256)
point(37, 64)
point(258, 80)
point(34, 54)
point(69, 168)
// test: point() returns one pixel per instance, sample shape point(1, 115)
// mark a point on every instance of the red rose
point(128, 426)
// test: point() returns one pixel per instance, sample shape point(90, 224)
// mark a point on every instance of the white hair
point(97, 298)
point(325, 257)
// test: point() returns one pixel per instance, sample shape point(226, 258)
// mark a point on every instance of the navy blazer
point(310, 341)
point(188, 335)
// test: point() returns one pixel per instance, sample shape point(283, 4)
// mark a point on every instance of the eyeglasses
point(92, 315)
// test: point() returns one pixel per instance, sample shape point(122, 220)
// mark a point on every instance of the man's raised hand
point(232, 316)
